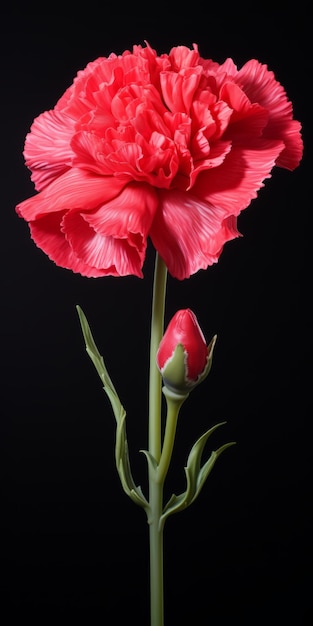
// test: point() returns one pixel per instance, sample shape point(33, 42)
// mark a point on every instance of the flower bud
point(183, 357)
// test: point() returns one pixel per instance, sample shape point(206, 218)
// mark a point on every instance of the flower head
point(170, 147)
point(183, 357)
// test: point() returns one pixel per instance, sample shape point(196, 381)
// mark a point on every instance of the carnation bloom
point(170, 147)
point(183, 357)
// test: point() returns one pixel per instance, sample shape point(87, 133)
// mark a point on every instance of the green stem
point(155, 385)
point(156, 555)
point(156, 487)
point(173, 406)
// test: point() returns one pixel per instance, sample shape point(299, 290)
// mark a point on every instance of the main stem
point(156, 487)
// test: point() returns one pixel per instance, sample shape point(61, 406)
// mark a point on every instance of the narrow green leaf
point(151, 460)
point(208, 466)
point(175, 504)
point(195, 474)
point(93, 351)
point(121, 445)
point(133, 491)
point(97, 359)
point(194, 458)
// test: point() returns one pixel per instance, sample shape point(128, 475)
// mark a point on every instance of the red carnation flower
point(169, 147)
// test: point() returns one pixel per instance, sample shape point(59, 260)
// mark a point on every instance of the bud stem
point(174, 403)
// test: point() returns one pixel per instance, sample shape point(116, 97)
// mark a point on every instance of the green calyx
point(175, 372)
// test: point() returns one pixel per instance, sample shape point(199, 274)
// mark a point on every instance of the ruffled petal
point(182, 57)
point(74, 190)
point(106, 255)
point(189, 233)
point(46, 233)
point(47, 149)
point(233, 184)
point(260, 85)
point(132, 211)
point(178, 89)
point(114, 235)
point(248, 119)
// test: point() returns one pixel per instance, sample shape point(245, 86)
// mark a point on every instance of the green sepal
point(195, 474)
point(121, 445)
point(208, 366)
point(174, 373)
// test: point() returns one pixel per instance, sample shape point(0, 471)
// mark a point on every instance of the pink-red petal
point(237, 180)
point(116, 233)
point(47, 151)
point(46, 233)
point(189, 233)
point(74, 190)
point(105, 254)
point(131, 212)
point(261, 86)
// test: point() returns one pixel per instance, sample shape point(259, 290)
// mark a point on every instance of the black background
point(72, 543)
